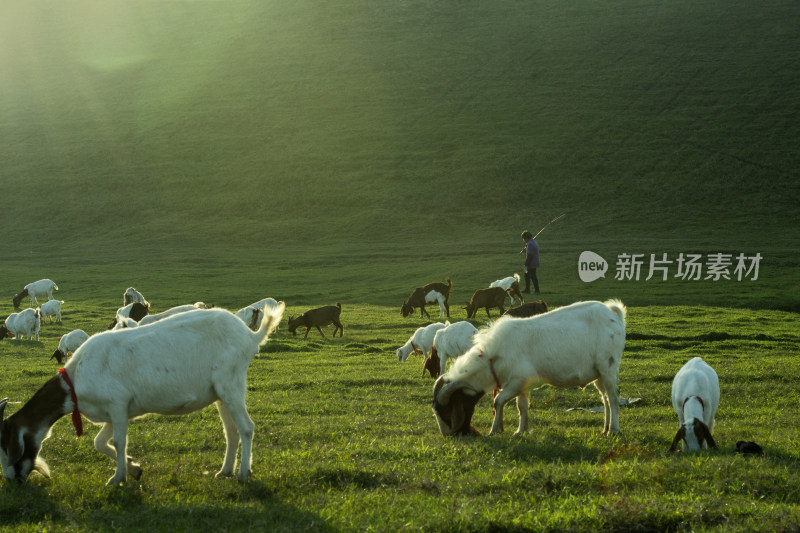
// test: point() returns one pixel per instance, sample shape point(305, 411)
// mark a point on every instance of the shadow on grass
point(131, 508)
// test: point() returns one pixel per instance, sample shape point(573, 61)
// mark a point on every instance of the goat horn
point(450, 388)
point(678, 437)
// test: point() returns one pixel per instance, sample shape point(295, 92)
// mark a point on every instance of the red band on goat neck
point(76, 415)
point(699, 399)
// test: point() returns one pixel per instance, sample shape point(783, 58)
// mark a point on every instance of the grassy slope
point(376, 133)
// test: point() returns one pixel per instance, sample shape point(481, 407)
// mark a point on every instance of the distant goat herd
point(190, 356)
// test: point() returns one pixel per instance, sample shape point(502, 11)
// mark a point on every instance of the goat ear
point(706, 434)
point(3, 404)
point(457, 416)
point(678, 438)
point(16, 446)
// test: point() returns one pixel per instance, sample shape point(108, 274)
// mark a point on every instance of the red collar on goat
point(494, 374)
point(699, 399)
point(76, 415)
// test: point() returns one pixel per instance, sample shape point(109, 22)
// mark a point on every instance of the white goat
point(50, 309)
point(250, 314)
point(695, 397)
point(25, 322)
point(421, 341)
point(149, 319)
point(176, 366)
point(68, 343)
point(35, 290)
point(510, 285)
point(132, 295)
point(125, 322)
point(448, 343)
point(572, 346)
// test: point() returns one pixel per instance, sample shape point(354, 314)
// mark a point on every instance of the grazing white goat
point(68, 343)
point(695, 397)
point(572, 346)
point(149, 319)
point(250, 314)
point(132, 295)
point(449, 343)
point(50, 309)
point(37, 289)
point(511, 286)
point(421, 341)
point(175, 366)
point(25, 322)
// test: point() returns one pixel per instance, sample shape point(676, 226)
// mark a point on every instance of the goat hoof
point(115, 481)
point(223, 473)
point(243, 478)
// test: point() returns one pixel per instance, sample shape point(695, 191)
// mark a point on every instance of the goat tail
point(449, 282)
point(618, 307)
point(269, 322)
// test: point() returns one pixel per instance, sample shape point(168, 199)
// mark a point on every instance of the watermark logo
point(686, 267)
point(591, 266)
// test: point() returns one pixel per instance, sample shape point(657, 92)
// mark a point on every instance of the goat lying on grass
point(175, 366)
point(528, 309)
point(695, 397)
point(430, 293)
point(571, 346)
point(321, 316)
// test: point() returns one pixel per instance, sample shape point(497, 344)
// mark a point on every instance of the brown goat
point(528, 309)
point(430, 293)
point(321, 316)
point(431, 364)
point(486, 298)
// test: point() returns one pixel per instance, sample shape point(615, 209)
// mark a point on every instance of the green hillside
point(353, 134)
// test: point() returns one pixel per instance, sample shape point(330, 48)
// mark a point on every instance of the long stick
point(545, 226)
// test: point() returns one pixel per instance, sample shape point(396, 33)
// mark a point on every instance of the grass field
point(350, 151)
point(345, 440)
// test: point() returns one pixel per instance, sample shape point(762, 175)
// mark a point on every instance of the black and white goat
point(430, 293)
point(38, 289)
point(316, 318)
point(131, 295)
point(695, 397)
point(175, 366)
point(135, 311)
point(571, 346)
point(20, 324)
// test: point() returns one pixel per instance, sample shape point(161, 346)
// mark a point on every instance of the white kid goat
point(68, 343)
point(50, 309)
point(25, 322)
point(176, 366)
point(38, 289)
point(695, 397)
point(421, 341)
point(572, 346)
